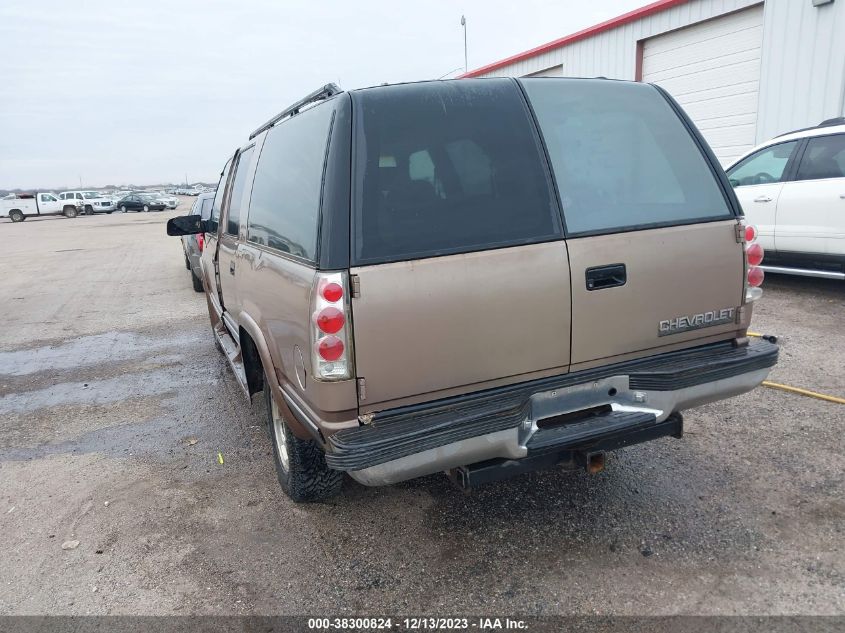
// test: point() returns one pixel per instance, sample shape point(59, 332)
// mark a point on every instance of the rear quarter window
point(621, 156)
point(447, 167)
point(285, 208)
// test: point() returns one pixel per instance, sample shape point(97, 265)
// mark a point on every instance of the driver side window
point(765, 167)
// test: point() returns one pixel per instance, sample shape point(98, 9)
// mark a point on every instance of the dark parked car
point(193, 244)
point(139, 202)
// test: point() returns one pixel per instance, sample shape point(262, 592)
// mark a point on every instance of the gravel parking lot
point(114, 406)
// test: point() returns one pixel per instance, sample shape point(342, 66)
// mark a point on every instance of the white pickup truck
point(90, 202)
point(27, 205)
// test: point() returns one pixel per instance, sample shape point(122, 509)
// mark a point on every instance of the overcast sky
point(126, 91)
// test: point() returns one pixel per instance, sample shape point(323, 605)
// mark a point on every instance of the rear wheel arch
point(253, 364)
point(258, 363)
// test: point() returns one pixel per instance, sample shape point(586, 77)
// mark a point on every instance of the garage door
point(713, 70)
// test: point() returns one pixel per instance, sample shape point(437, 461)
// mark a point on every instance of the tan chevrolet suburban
point(481, 277)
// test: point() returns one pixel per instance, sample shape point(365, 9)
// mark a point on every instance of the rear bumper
point(629, 402)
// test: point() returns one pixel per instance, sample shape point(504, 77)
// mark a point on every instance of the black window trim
point(220, 182)
point(375, 261)
point(274, 251)
point(228, 195)
point(334, 237)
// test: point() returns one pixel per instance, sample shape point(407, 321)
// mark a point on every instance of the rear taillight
point(753, 258)
point(754, 254)
point(201, 241)
point(331, 353)
point(750, 233)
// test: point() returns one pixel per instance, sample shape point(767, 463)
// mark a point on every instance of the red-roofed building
point(744, 70)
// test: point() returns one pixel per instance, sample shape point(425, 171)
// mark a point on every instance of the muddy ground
point(114, 406)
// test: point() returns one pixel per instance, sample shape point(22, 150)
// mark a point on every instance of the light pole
point(464, 24)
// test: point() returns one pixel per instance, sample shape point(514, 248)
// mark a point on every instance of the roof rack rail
point(840, 120)
point(329, 90)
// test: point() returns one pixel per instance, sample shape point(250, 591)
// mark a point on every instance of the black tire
point(146, 209)
point(300, 464)
point(197, 283)
point(16, 215)
point(69, 212)
point(89, 210)
point(109, 212)
point(123, 209)
point(187, 261)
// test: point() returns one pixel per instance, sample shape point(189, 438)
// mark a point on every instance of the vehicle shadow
point(814, 286)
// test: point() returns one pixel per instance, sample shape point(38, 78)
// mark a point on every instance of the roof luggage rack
point(839, 120)
point(329, 90)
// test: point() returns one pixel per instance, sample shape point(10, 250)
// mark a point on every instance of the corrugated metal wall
point(803, 67)
point(613, 53)
point(803, 57)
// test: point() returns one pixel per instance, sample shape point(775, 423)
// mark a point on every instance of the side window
point(823, 158)
point(214, 218)
point(233, 215)
point(285, 207)
point(764, 167)
point(61, 196)
point(205, 211)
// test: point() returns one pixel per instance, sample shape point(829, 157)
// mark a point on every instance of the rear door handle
point(232, 267)
point(762, 199)
point(609, 276)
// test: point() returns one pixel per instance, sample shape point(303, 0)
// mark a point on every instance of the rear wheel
point(197, 282)
point(16, 215)
point(300, 464)
point(69, 212)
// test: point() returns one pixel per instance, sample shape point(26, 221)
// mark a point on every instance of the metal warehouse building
point(744, 70)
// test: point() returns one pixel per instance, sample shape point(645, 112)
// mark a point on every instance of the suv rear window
point(621, 156)
point(447, 167)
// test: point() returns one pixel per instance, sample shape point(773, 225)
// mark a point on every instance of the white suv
point(792, 188)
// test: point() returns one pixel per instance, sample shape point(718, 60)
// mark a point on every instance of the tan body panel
point(671, 272)
point(276, 294)
point(425, 326)
point(226, 258)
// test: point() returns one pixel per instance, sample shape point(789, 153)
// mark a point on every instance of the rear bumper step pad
point(404, 431)
point(588, 430)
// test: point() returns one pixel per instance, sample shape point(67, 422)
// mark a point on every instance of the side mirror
point(186, 225)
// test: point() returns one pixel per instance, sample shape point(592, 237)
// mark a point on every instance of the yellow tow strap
point(803, 392)
point(798, 390)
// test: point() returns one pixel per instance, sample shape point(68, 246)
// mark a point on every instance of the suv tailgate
point(650, 220)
